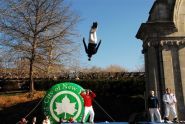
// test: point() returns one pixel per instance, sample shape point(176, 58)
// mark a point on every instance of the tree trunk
point(49, 59)
point(31, 76)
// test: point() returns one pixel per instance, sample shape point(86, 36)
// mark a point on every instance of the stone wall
point(163, 37)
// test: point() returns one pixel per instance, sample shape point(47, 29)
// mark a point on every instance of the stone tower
point(163, 37)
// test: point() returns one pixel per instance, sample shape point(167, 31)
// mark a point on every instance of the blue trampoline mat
point(111, 123)
point(101, 123)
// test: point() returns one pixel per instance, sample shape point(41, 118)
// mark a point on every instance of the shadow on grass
point(120, 108)
point(13, 114)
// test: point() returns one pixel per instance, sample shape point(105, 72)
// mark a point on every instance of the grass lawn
point(8, 100)
point(15, 106)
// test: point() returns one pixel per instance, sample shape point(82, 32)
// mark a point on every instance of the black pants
point(91, 49)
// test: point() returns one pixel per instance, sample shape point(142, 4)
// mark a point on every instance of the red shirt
point(88, 98)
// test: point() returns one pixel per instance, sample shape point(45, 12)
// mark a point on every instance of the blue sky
point(119, 21)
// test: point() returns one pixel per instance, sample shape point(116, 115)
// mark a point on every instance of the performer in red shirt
point(88, 98)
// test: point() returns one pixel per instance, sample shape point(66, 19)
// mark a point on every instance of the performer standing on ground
point(169, 100)
point(153, 105)
point(88, 98)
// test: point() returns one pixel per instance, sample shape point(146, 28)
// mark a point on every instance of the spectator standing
point(23, 121)
point(46, 120)
point(34, 120)
point(169, 100)
point(153, 105)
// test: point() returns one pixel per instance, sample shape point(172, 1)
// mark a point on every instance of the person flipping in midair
point(92, 45)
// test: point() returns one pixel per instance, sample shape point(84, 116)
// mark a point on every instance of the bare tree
point(92, 69)
point(115, 68)
point(38, 30)
point(139, 68)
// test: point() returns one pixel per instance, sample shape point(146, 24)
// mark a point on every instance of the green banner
point(63, 101)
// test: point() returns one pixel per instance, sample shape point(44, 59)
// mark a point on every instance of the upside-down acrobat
point(92, 47)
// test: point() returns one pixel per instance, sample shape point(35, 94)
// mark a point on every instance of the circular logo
point(63, 102)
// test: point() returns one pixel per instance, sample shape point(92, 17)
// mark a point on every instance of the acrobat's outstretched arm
point(97, 47)
point(85, 46)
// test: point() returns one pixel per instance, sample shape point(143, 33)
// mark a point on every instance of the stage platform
point(180, 122)
point(170, 122)
point(106, 122)
point(111, 123)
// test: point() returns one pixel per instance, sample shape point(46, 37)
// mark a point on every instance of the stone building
point(163, 37)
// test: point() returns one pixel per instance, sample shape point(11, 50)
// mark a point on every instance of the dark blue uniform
point(153, 102)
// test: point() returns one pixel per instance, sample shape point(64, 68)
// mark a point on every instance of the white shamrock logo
point(65, 107)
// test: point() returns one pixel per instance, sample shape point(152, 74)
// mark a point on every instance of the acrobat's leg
point(85, 46)
point(97, 47)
